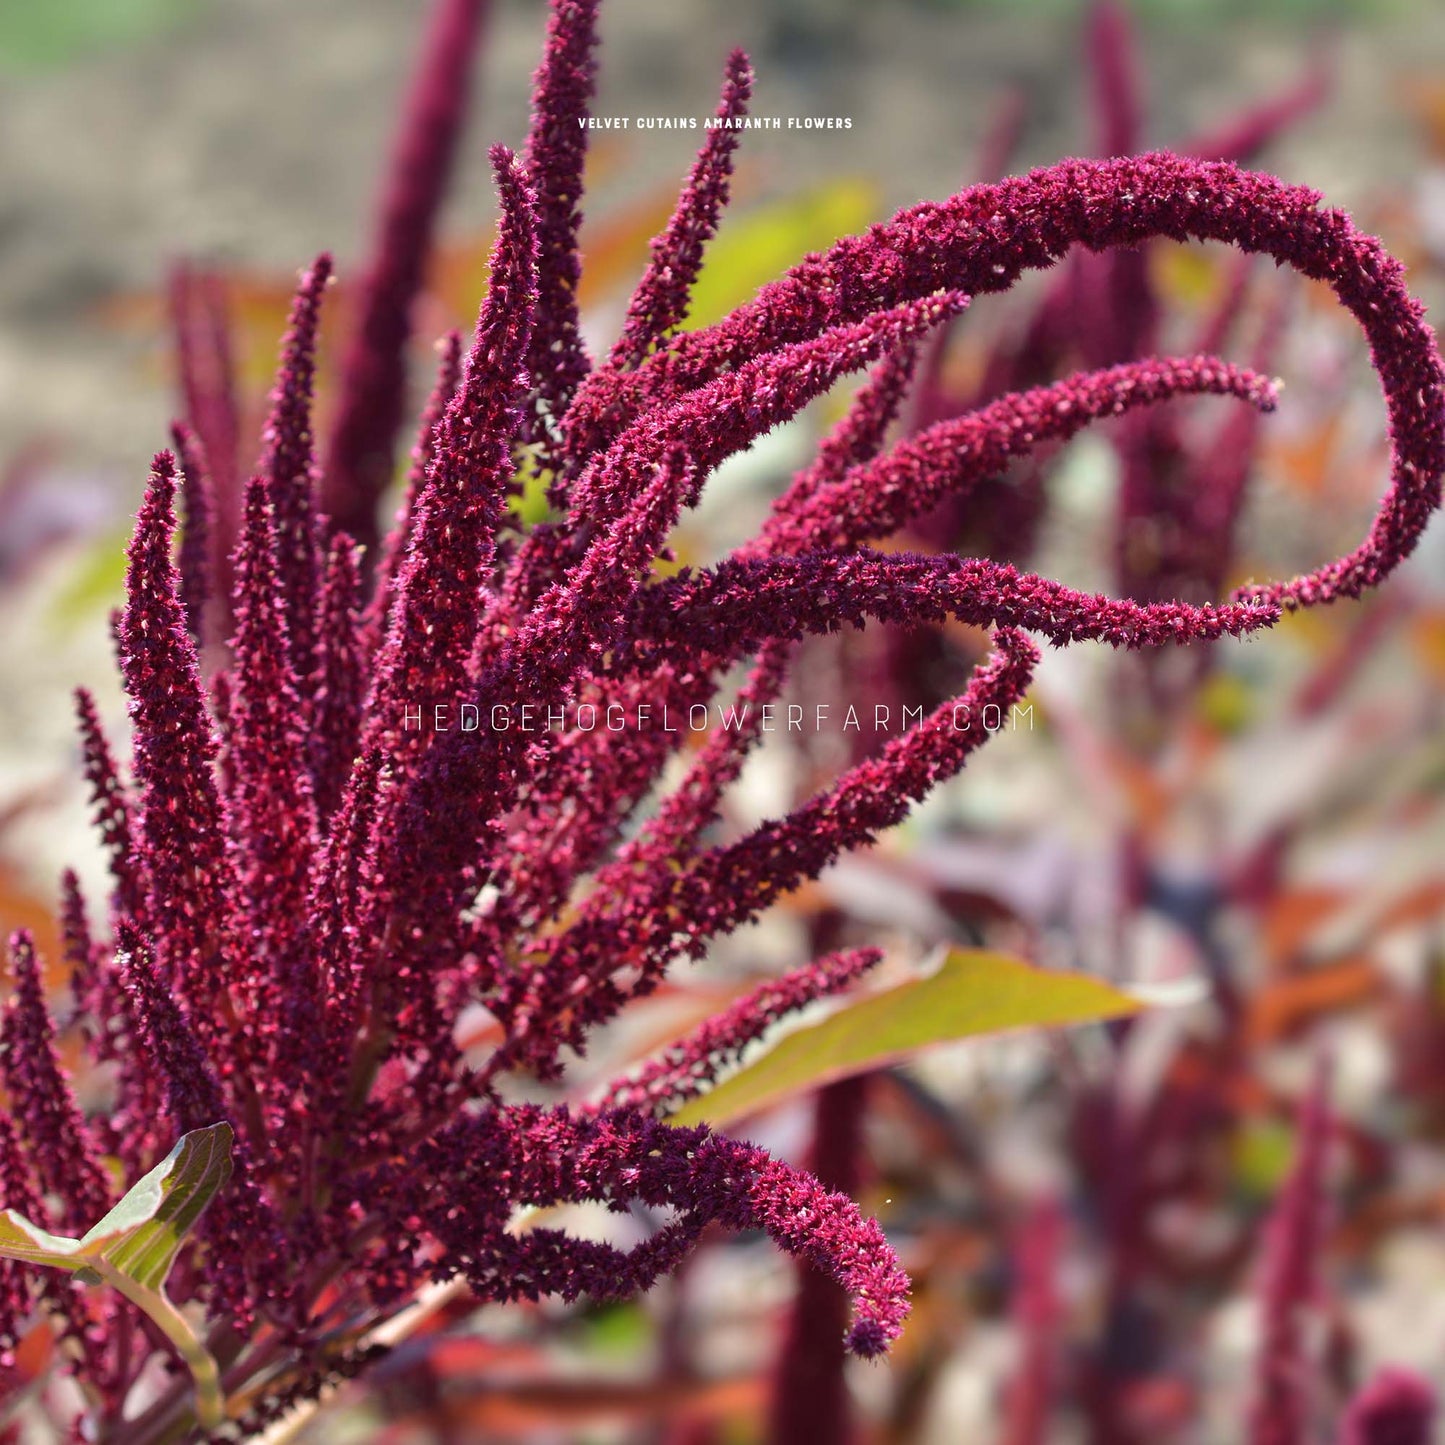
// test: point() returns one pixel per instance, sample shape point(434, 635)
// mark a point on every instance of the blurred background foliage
point(1272, 826)
point(39, 36)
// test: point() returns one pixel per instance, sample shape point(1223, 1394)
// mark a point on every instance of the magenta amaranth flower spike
point(197, 567)
point(393, 553)
point(340, 671)
point(323, 874)
point(660, 302)
point(554, 158)
point(1281, 1414)
point(953, 456)
point(551, 1156)
point(439, 593)
point(288, 469)
point(271, 805)
point(372, 402)
point(16, 1192)
point(1395, 1408)
point(112, 810)
point(41, 1098)
point(189, 879)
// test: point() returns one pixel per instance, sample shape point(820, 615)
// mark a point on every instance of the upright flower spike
point(440, 591)
point(17, 1192)
point(182, 838)
point(1281, 1413)
point(42, 1099)
point(553, 160)
point(393, 554)
point(80, 947)
point(341, 672)
point(349, 908)
point(288, 466)
point(111, 811)
point(661, 299)
point(372, 398)
point(271, 805)
point(197, 532)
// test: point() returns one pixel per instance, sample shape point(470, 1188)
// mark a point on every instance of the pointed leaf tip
point(973, 993)
point(142, 1235)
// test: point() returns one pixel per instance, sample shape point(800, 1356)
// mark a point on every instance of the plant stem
point(210, 1399)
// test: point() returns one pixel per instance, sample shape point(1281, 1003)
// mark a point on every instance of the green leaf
point(95, 584)
point(973, 993)
point(133, 1247)
point(142, 1235)
point(19, 1239)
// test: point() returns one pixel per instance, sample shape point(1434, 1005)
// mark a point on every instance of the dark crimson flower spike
point(344, 844)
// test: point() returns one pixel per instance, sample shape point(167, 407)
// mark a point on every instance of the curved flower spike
point(545, 1157)
point(729, 610)
point(436, 608)
point(984, 238)
point(875, 499)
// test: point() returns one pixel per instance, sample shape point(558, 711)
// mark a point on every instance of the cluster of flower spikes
point(309, 893)
point(1179, 502)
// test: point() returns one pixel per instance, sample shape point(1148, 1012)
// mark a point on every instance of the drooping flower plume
point(319, 867)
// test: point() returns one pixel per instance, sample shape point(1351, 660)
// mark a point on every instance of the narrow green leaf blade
point(141, 1236)
point(973, 993)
